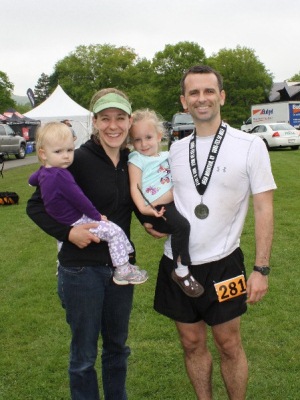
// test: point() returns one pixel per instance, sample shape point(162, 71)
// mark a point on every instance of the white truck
point(288, 111)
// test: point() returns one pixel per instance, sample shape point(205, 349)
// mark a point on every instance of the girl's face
point(145, 138)
point(58, 153)
point(113, 126)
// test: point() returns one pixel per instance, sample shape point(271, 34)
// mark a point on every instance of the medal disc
point(201, 211)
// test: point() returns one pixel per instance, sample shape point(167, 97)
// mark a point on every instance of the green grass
point(35, 337)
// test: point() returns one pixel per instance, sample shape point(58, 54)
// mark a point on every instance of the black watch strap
point(264, 270)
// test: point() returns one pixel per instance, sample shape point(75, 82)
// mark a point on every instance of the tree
point(6, 89)
point(295, 78)
point(246, 82)
point(90, 68)
point(156, 84)
point(168, 66)
point(140, 88)
point(23, 108)
point(42, 89)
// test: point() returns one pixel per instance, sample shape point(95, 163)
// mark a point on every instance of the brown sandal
point(193, 289)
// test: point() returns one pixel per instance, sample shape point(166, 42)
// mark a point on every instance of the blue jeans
point(94, 305)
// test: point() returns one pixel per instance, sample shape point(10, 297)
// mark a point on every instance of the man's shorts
point(170, 300)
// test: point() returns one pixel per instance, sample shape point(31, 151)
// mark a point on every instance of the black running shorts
point(170, 300)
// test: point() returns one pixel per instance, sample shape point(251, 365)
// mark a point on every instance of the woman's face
point(113, 126)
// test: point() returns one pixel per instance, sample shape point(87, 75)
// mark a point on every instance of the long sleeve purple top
point(63, 199)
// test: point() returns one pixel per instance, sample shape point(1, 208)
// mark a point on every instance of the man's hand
point(257, 287)
point(81, 236)
point(153, 232)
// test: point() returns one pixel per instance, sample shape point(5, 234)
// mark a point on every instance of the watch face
point(262, 270)
point(265, 270)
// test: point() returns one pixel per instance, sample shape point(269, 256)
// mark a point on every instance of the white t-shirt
point(242, 168)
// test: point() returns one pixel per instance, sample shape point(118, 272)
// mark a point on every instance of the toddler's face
point(58, 153)
point(145, 138)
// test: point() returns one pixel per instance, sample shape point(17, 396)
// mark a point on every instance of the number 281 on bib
point(230, 288)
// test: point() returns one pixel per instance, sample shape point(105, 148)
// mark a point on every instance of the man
point(215, 170)
point(68, 123)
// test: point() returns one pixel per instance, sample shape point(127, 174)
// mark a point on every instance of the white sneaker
point(134, 276)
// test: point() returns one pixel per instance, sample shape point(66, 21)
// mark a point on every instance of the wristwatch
point(264, 270)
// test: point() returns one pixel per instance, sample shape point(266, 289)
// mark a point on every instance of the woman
point(93, 303)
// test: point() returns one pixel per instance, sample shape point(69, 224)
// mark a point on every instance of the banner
point(30, 96)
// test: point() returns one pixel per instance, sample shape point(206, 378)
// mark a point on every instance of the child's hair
point(150, 115)
point(51, 131)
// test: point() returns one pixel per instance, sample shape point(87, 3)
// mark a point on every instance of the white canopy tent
point(60, 106)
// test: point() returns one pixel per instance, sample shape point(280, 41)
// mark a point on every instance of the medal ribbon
point(202, 183)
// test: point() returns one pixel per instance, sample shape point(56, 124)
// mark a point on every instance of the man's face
point(203, 98)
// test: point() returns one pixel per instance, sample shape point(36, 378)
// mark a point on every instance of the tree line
point(155, 83)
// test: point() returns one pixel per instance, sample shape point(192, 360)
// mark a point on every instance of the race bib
point(230, 288)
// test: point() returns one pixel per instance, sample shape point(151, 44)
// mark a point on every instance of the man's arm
point(257, 285)
point(157, 235)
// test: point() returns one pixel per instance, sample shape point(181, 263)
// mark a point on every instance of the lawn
point(35, 337)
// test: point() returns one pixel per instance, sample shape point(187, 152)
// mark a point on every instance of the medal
point(201, 211)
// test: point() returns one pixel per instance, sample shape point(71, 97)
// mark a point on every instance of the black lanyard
point(201, 184)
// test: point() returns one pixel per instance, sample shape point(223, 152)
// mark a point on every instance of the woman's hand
point(81, 236)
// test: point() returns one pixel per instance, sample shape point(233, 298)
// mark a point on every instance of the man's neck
point(208, 128)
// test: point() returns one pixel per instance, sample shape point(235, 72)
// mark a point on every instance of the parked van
point(288, 111)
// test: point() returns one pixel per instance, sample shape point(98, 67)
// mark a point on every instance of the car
point(182, 125)
point(278, 135)
point(247, 125)
point(11, 143)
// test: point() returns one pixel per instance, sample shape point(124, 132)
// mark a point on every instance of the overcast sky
point(35, 34)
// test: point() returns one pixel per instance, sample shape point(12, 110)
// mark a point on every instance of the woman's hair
point(149, 115)
point(49, 132)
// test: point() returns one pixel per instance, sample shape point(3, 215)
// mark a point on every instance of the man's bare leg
point(198, 360)
point(234, 367)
